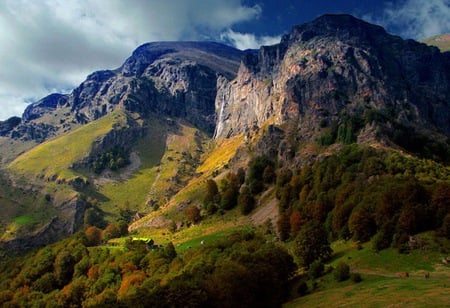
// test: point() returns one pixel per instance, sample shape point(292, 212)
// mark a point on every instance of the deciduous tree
point(312, 244)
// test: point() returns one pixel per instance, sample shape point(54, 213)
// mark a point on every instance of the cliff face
point(333, 67)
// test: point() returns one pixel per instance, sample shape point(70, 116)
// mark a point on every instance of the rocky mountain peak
point(336, 69)
point(342, 26)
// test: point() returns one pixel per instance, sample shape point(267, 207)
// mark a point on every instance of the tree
point(246, 202)
point(93, 236)
point(93, 217)
point(212, 196)
point(111, 231)
point(192, 214)
point(169, 252)
point(229, 198)
point(316, 269)
point(446, 226)
point(296, 221)
point(64, 267)
point(241, 175)
point(440, 201)
point(269, 174)
point(256, 173)
point(312, 244)
point(283, 226)
point(361, 224)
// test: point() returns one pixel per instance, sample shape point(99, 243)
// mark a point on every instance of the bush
point(355, 277)
point(342, 272)
point(302, 288)
point(316, 269)
point(192, 214)
point(446, 226)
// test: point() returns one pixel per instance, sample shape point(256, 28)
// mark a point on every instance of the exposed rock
point(45, 105)
point(8, 125)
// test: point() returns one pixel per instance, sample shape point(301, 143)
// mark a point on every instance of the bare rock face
point(333, 68)
point(8, 125)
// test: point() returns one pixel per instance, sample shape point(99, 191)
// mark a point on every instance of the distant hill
point(440, 41)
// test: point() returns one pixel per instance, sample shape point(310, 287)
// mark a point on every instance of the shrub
point(341, 272)
point(192, 214)
point(446, 226)
point(316, 269)
point(302, 288)
point(355, 277)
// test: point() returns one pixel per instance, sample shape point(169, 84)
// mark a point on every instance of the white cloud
point(55, 44)
point(415, 19)
point(247, 40)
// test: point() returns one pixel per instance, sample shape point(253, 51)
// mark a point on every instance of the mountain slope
point(154, 112)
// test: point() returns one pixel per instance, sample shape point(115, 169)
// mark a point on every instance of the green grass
point(164, 168)
point(25, 220)
point(378, 291)
point(381, 286)
point(386, 262)
point(53, 159)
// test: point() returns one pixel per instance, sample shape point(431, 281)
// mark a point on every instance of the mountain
point(440, 41)
point(147, 125)
point(162, 91)
point(338, 70)
point(199, 175)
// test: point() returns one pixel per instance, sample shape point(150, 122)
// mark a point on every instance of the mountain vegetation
point(313, 172)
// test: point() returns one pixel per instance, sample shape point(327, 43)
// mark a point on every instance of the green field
point(380, 286)
point(53, 159)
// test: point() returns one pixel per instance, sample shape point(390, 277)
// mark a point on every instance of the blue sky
point(52, 45)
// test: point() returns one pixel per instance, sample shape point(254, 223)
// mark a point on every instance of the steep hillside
point(125, 139)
